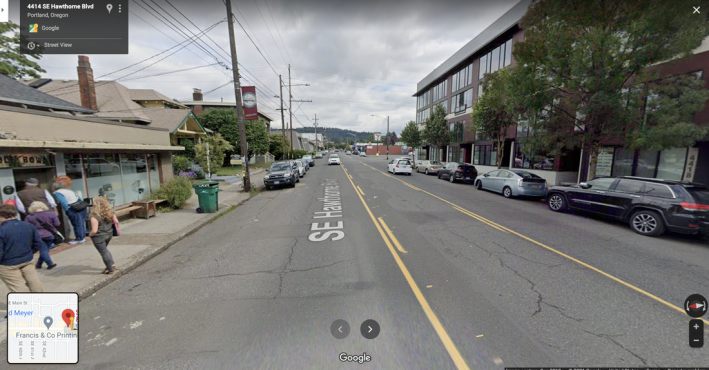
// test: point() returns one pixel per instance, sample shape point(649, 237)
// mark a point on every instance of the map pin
point(109, 7)
point(68, 316)
point(48, 321)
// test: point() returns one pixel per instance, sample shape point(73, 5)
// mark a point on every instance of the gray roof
point(501, 25)
point(16, 92)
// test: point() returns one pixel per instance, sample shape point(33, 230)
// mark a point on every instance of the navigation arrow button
point(369, 329)
point(340, 329)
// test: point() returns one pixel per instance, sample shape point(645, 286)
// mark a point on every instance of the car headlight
point(265, 177)
point(287, 175)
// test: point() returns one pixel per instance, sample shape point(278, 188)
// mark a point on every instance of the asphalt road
point(493, 283)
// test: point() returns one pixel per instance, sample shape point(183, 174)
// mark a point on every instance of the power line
point(270, 33)
point(252, 31)
point(279, 32)
point(252, 41)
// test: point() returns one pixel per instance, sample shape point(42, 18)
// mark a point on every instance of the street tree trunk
point(593, 160)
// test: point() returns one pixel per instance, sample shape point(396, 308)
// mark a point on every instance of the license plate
point(536, 186)
point(276, 182)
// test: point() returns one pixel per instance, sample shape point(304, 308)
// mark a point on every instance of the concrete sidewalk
point(79, 268)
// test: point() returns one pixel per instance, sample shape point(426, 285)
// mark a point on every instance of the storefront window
point(527, 157)
point(485, 155)
point(75, 171)
point(623, 162)
point(672, 163)
point(103, 173)
point(153, 172)
point(136, 185)
point(647, 163)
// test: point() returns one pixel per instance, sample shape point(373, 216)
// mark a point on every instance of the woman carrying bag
point(46, 222)
point(104, 225)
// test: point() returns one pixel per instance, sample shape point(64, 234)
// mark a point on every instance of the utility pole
point(388, 138)
point(283, 122)
point(290, 110)
point(316, 133)
point(237, 93)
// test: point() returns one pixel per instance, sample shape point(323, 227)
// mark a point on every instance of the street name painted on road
point(332, 208)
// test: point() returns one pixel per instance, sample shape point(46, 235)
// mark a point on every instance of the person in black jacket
point(18, 243)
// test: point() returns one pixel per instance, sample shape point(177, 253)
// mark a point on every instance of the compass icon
point(695, 305)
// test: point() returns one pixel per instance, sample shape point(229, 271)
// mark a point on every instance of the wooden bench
point(127, 210)
point(158, 201)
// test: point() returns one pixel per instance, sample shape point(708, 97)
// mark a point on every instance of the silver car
point(512, 183)
point(301, 167)
point(428, 166)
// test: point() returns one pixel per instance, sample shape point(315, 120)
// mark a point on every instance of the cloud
point(360, 58)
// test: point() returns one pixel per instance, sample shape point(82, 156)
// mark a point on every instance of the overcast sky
point(359, 57)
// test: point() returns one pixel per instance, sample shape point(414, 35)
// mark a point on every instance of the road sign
point(377, 137)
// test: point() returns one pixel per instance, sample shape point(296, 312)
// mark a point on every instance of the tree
point(493, 114)
point(189, 147)
point(370, 139)
point(256, 137)
point(411, 136)
point(218, 147)
point(12, 63)
point(587, 78)
point(276, 146)
point(435, 131)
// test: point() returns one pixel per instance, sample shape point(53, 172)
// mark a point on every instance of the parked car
point(348, 153)
point(428, 167)
point(454, 171)
point(301, 167)
point(354, 152)
point(513, 183)
point(362, 154)
point(399, 165)
point(309, 160)
point(649, 206)
point(333, 159)
point(318, 155)
point(282, 173)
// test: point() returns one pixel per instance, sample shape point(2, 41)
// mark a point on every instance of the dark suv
point(462, 172)
point(282, 173)
point(650, 206)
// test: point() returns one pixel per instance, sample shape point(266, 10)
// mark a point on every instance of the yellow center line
point(392, 237)
point(584, 264)
point(360, 190)
point(440, 330)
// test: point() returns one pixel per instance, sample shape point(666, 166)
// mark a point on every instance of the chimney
point(197, 95)
point(86, 84)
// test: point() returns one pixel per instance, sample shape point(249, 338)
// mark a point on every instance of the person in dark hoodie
point(18, 240)
point(46, 222)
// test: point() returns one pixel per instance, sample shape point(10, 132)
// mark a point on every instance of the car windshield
point(700, 195)
point(406, 163)
point(334, 156)
point(307, 157)
point(436, 163)
point(527, 175)
point(280, 167)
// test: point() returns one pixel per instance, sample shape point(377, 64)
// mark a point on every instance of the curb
point(147, 255)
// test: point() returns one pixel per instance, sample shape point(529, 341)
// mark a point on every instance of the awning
point(86, 145)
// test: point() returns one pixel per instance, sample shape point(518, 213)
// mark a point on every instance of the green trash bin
point(208, 194)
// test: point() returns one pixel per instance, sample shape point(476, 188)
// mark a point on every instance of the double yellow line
point(384, 231)
point(584, 264)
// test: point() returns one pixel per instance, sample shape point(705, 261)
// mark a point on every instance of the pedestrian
point(18, 241)
point(34, 193)
point(103, 220)
point(46, 222)
point(71, 203)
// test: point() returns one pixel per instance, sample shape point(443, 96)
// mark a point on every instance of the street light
point(387, 137)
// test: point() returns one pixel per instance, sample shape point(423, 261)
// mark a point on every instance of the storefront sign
point(691, 164)
point(604, 163)
point(26, 160)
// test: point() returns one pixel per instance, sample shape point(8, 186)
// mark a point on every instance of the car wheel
point(557, 202)
point(451, 178)
point(297, 179)
point(507, 192)
point(439, 175)
point(648, 223)
point(479, 185)
point(426, 171)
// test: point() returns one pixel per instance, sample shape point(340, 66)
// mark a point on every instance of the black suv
point(282, 173)
point(650, 206)
point(454, 171)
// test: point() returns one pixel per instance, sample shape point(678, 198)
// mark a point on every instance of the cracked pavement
point(251, 291)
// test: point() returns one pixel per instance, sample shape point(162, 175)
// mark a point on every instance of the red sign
point(248, 96)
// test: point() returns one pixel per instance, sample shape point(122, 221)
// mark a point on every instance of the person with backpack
point(75, 209)
point(46, 222)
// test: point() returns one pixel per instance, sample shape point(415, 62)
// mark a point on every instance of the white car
point(399, 165)
point(348, 153)
point(333, 159)
point(301, 167)
point(362, 154)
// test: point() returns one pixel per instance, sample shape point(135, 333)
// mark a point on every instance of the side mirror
point(585, 185)
point(268, 170)
point(484, 175)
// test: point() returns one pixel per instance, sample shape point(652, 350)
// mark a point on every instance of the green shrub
point(177, 191)
point(200, 174)
point(189, 148)
point(180, 163)
point(298, 153)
